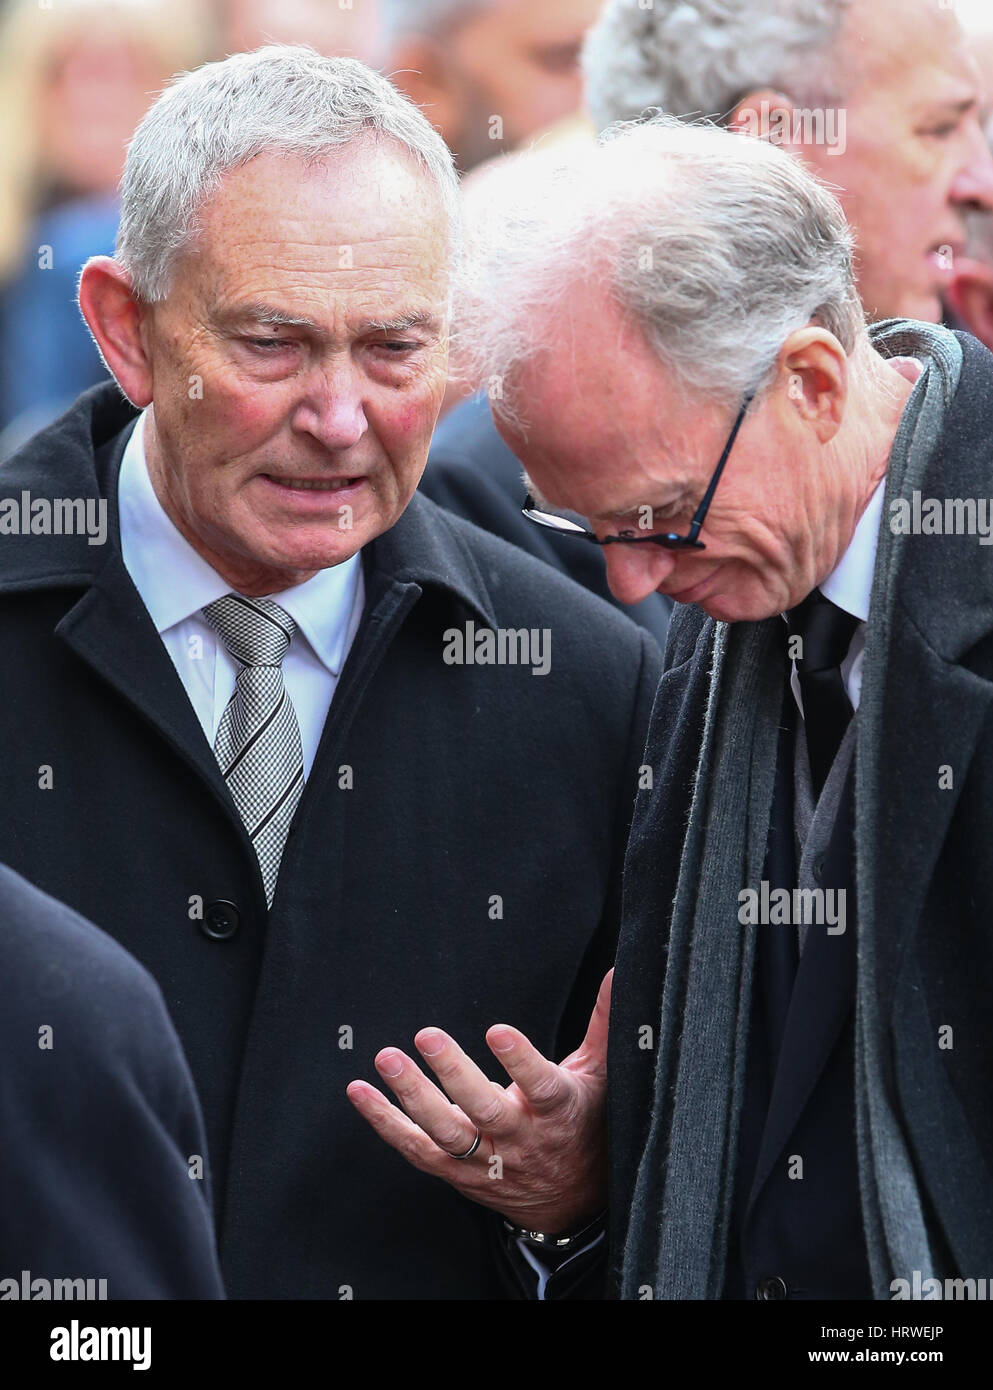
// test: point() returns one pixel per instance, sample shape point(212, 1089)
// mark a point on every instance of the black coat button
point(771, 1290)
point(221, 920)
point(817, 868)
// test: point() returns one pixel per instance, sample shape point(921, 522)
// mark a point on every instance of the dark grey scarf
point(681, 1206)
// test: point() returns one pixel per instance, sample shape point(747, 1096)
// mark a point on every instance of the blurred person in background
point(970, 294)
point(889, 86)
point(881, 98)
point(326, 25)
point(969, 300)
point(488, 74)
point(74, 82)
point(492, 74)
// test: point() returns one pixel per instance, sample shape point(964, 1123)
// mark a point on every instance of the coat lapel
point(909, 784)
point(922, 708)
point(109, 628)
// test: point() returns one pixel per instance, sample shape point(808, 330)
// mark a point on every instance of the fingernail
point(430, 1044)
point(502, 1042)
point(390, 1064)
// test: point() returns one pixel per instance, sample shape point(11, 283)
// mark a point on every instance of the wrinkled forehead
point(370, 205)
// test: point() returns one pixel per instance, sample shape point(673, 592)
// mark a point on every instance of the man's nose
point(635, 571)
point(972, 186)
point(333, 406)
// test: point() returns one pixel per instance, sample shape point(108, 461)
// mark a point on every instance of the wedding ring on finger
point(469, 1151)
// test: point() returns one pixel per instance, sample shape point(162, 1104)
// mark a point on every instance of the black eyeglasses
point(565, 527)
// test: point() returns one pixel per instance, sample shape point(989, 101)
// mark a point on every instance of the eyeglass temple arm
point(701, 511)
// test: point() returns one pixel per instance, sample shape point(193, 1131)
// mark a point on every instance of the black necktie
point(826, 633)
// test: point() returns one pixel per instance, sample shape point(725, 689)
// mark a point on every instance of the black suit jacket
point(463, 870)
point(470, 471)
point(98, 1117)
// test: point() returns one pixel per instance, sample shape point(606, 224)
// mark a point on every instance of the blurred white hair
point(700, 57)
point(283, 98)
point(717, 247)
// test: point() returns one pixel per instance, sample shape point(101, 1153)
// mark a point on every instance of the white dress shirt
point(175, 583)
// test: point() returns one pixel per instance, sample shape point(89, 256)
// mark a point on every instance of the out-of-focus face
point(607, 433)
point(299, 361)
point(518, 60)
point(351, 30)
point(970, 296)
point(93, 95)
point(914, 156)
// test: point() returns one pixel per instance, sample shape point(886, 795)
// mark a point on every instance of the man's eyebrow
point(543, 505)
point(270, 316)
point(953, 108)
point(416, 318)
point(623, 513)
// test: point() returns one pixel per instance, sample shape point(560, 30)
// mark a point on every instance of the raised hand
point(534, 1150)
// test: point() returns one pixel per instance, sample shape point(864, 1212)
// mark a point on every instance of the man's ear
point(420, 68)
point(813, 379)
point(114, 316)
point(765, 112)
point(970, 295)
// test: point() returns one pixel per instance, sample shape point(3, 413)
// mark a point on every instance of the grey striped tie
point(258, 740)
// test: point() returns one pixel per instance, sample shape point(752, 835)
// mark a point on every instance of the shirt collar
point(849, 584)
point(175, 582)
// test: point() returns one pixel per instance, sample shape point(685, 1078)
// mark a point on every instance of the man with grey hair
point(799, 1067)
point(879, 97)
point(281, 727)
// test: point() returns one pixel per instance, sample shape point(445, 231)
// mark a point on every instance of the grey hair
point(700, 57)
point(716, 247)
point(283, 98)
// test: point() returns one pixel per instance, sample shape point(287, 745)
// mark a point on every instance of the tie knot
point(825, 630)
point(255, 631)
